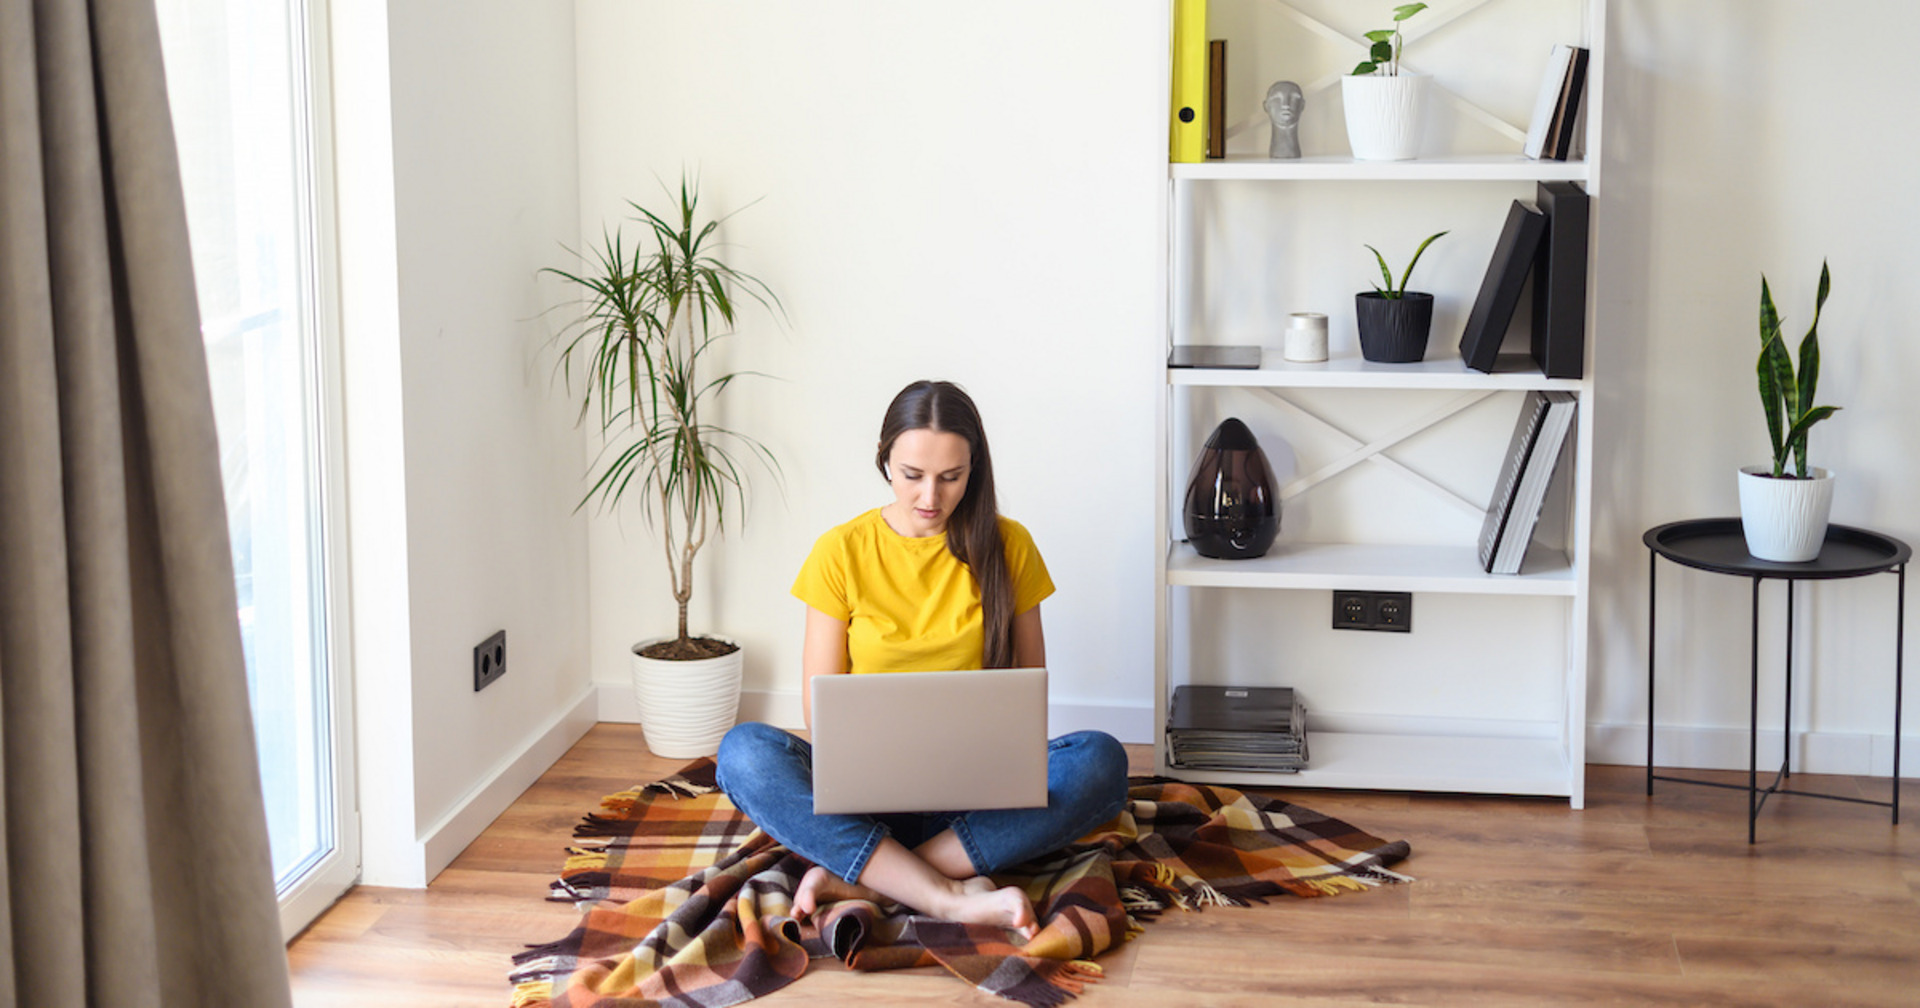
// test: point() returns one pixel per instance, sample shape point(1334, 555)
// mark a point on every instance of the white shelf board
point(1441, 370)
point(1372, 567)
point(1519, 766)
point(1324, 168)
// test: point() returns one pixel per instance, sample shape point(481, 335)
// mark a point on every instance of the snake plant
point(1390, 292)
point(1786, 394)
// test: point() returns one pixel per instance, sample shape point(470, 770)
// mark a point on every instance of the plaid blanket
point(686, 904)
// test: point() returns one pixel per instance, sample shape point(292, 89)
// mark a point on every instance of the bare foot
point(978, 902)
point(818, 887)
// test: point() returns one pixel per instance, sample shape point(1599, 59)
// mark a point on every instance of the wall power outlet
point(489, 660)
point(1364, 610)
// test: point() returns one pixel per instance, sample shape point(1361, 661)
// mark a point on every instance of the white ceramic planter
point(1785, 520)
point(686, 706)
point(1385, 116)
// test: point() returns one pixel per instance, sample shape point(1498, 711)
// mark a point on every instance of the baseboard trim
point(1690, 747)
point(444, 840)
point(1699, 747)
point(781, 708)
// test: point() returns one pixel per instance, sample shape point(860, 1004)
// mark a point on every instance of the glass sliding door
point(243, 95)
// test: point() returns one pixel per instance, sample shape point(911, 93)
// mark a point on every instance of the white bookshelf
point(1442, 369)
point(1481, 764)
point(1540, 752)
point(1457, 168)
point(1451, 570)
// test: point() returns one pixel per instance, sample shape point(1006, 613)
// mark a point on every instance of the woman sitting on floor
point(935, 580)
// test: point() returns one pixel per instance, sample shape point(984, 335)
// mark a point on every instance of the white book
point(1532, 491)
point(1551, 81)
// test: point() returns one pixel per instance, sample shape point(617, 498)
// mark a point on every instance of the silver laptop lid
point(930, 741)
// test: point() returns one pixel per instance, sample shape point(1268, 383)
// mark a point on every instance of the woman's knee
point(746, 752)
point(1098, 768)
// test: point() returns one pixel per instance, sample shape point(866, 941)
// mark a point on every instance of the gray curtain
point(135, 843)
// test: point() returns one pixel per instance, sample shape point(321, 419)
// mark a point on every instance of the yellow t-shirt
point(909, 604)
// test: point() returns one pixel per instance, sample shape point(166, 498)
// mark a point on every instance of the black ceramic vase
point(1393, 330)
point(1232, 508)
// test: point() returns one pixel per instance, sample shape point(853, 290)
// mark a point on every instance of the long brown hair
point(973, 531)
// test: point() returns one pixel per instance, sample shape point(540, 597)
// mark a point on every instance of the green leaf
point(1797, 436)
point(1778, 387)
point(1405, 11)
point(1404, 277)
point(1377, 37)
point(1364, 69)
point(1386, 274)
point(1382, 51)
point(1769, 316)
point(1810, 345)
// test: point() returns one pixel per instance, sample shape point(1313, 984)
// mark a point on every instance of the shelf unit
point(1354, 747)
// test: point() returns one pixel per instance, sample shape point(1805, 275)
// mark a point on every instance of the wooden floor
point(1519, 901)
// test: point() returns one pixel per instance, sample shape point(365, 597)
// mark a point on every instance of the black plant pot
point(1393, 330)
point(1232, 507)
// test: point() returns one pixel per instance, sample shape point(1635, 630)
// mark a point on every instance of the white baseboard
point(1696, 747)
point(1689, 747)
point(781, 708)
point(444, 840)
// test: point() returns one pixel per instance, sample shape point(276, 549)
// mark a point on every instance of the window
point(241, 89)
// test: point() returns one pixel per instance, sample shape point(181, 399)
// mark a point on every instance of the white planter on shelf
point(1385, 115)
point(686, 706)
point(1785, 520)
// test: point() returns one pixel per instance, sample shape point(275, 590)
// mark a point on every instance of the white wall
point(458, 179)
point(974, 193)
point(962, 192)
point(1741, 140)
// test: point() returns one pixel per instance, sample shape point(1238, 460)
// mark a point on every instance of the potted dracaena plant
point(1394, 321)
point(1784, 508)
point(1383, 102)
point(639, 357)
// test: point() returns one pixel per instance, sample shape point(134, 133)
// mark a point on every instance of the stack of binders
point(1236, 728)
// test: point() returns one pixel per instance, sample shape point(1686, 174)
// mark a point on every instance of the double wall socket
point(489, 660)
point(1362, 610)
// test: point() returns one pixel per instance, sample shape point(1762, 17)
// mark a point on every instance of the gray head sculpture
point(1284, 104)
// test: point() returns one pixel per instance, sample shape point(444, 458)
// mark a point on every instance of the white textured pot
point(1785, 520)
point(1384, 116)
point(686, 706)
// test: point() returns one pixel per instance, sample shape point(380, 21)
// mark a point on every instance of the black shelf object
point(1719, 546)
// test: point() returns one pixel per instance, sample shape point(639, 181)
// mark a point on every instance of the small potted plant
point(1784, 514)
point(650, 315)
point(1394, 321)
point(1383, 103)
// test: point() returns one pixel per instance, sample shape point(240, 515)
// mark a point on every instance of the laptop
point(930, 741)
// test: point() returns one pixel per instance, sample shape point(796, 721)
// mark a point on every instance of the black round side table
point(1718, 545)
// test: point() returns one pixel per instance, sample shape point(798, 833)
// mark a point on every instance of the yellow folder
point(1188, 140)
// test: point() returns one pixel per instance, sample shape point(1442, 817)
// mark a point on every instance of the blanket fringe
point(610, 827)
point(584, 859)
point(587, 886)
point(538, 959)
point(1337, 884)
point(1064, 984)
point(1380, 873)
point(1205, 895)
point(623, 801)
point(1080, 973)
point(532, 994)
point(679, 787)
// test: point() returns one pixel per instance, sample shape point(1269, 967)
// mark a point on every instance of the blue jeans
point(768, 773)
